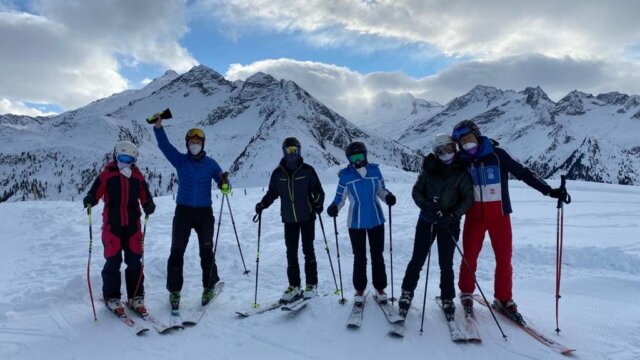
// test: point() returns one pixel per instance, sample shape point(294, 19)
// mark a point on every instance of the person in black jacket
point(301, 198)
point(443, 192)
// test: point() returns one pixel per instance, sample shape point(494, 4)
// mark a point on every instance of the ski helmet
point(195, 133)
point(290, 141)
point(463, 128)
point(125, 152)
point(357, 154)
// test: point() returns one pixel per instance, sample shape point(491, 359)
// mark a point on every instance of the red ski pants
point(499, 229)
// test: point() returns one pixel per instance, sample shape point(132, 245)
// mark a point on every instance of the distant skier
point(490, 166)
point(123, 189)
point(301, 198)
point(361, 182)
point(193, 209)
point(443, 192)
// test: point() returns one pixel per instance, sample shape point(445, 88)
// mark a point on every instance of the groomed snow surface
point(46, 313)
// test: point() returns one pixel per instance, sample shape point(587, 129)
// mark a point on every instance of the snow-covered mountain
point(586, 137)
point(245, 123)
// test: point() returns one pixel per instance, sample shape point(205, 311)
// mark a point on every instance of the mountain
point(584, 136)
point(245, 122)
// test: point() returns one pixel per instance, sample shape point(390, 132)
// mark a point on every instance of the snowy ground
point(46, 311)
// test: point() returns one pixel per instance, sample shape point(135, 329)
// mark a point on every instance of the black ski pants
point(201, 220)
point(376, 248)
point(292, 232)
point(424, 238)
point(111, 279)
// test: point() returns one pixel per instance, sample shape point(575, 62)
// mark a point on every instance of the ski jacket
point(490, 168)
point(451, 184)
point(365, 211)
point(194, 173)
point(122, 195)
point(299, 190)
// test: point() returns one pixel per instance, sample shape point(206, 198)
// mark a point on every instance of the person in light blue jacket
point(363, 184)
point(193, 209)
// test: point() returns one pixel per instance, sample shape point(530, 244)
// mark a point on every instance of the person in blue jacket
point(362, 182)
point(193, 209)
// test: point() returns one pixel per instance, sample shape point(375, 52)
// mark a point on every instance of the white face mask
point(125, 169)
point(195, 149)
point(447, 158)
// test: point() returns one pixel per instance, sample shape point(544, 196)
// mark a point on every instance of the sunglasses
point(354, 158)
point(291, 149)
point(460, 132)
point(195, 133)
point(446, 149)
point(126, 159)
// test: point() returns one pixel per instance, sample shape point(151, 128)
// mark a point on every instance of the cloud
point(66, 52)
point(349, 92)
point(17, 108)
point(583, 30)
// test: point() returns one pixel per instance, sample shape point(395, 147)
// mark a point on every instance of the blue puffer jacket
point(194, 175)
point(365, 211)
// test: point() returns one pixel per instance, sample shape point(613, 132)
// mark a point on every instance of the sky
point(58, 55)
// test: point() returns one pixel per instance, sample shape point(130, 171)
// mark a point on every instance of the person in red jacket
point(123, 189)
point(489, 167)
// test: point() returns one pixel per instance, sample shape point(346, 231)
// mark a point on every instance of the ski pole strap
point(565, 198)
point(256, 217)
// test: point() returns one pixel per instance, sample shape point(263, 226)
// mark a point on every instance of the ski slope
point(46, 312)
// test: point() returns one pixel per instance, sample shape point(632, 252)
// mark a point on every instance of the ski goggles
point(291, 149)
point(446, 149)
point(460, 132)
point(125, 159)
point(195, 133)
point(354, 158)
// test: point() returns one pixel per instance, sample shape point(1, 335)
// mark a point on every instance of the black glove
point(558, 193)
point(89, 201)
point(149, 208)
point(332, 210)
point(390, 199)
point(259, 207)
point(317, 208)
point(432, 211)
point(445, 220)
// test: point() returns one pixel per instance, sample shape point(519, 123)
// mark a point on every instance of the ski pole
point(246, 272)
point(93, 305)
point(466, 264)
point(144, 232)
point(257, 218)
point(335, 228)
point(565, 198)
point(391, 254)
point(326, 247)
point(215, 247)
point(426, 279)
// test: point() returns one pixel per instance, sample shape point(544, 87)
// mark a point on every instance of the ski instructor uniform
point(193, 209)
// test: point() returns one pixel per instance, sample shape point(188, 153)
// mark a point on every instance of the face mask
point(125, 169)
point(447, 158)
point(471, 148)
point(195, 149)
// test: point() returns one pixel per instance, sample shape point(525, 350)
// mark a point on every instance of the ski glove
point(432, 212)
point(149, 208)
point(89, 201)
point(259, 207)
point(225, 189)
point(445, 220)
point(317, 208)
point(559, 193)
point(390, 199)
point(332, 210)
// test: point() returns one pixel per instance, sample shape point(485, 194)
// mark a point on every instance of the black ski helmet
point(290, 141)
point(465, 127)
point(356, 148)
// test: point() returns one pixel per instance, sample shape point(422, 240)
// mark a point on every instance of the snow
point(46, 312)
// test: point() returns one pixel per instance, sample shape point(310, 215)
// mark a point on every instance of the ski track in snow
point(47, 312)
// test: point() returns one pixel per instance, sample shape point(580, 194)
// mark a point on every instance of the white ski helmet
point(442, 140)
point(125, 148)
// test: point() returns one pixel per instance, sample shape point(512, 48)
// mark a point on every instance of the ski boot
point(291, 294)
point(449, 309)
point(510, 309)
point(380, 297)
point(310, 291)
point(137, 306)
point(404, 303)
point(115, 306)
point(466, 300)
point(207, 296)
point(174, 300)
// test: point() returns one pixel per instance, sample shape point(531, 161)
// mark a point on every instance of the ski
point(194, 318)
point(389, 311)
point(457, 335)
point(397, 329)
point(471, 328)
point(295, 306)
point(529, 329)
point(158, 325)
point(175, 322)
point(259, 310)
point(355, 317)
point(134, 327)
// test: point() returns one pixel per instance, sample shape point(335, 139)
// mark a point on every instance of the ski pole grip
point(563, 186)
point(166, 114)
